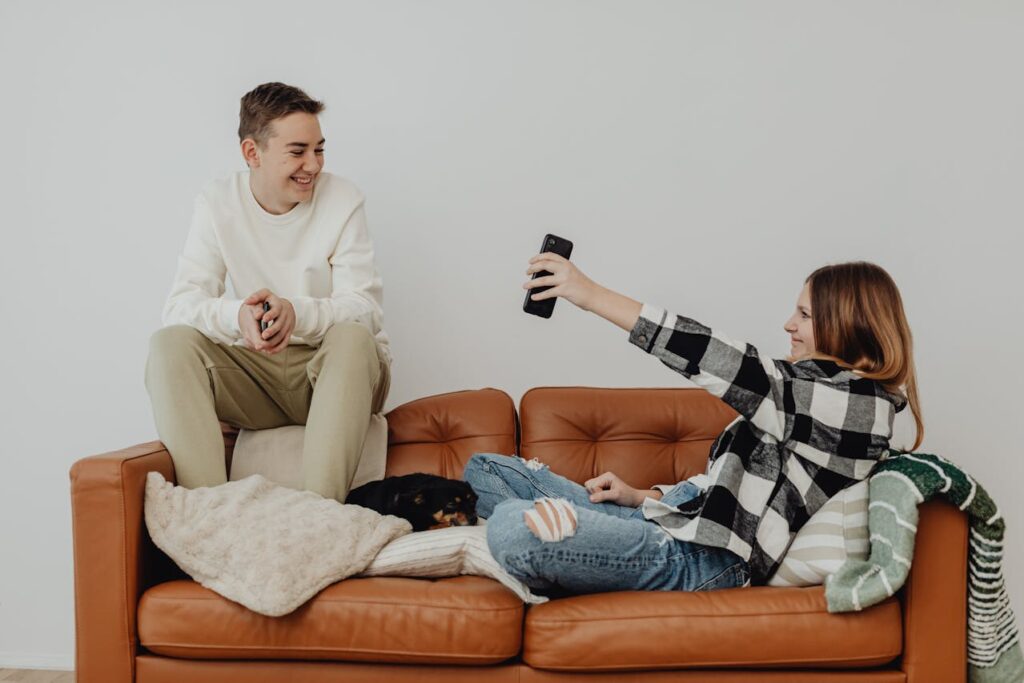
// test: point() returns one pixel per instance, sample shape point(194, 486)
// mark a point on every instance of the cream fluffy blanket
point(267, 547)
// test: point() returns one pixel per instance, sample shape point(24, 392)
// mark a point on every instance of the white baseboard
point(23, 660)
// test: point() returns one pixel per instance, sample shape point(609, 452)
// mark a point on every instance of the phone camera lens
point(551, 242)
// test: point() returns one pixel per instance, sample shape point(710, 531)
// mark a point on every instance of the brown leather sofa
point(138, 618)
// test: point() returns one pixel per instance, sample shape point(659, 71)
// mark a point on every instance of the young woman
point(808, 427)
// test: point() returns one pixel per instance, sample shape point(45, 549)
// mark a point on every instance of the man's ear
point(251, 153)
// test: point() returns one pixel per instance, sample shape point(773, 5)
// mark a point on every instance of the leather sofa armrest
point(935, 597)
point(115, 560)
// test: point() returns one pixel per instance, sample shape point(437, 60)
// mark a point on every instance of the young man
point(294, 238)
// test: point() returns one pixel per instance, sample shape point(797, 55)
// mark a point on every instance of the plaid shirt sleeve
point(732, 371)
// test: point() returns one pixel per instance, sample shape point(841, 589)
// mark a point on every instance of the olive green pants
point(194, 383)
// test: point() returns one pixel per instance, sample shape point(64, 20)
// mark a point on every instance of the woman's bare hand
point(608, 488)
point(569, 282)
point(566, 280)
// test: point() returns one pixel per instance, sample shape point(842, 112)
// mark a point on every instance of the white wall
point(705, 156)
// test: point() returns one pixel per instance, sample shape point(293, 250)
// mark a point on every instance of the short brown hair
point(264, 103)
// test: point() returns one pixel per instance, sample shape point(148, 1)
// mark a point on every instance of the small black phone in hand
point(263, 323)
point(556, 245)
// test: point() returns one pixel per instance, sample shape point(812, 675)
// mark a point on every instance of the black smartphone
point(263, 323)
point(556, 245)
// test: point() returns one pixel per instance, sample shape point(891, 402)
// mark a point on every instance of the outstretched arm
point(733, 371)
point(569, 282)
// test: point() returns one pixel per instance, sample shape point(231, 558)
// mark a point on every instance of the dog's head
point(431, 502)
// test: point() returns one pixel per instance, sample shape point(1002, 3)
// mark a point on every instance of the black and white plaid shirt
point(806, 430)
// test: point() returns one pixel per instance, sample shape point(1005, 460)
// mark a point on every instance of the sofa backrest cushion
point(439, 434)
point(646, 436)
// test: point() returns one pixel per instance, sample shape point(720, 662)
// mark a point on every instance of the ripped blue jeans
point(613, 548)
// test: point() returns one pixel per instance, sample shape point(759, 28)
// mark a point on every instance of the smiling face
point(284, 169)
point(800, 327)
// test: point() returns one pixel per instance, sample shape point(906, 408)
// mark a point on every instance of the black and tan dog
point(426, 500)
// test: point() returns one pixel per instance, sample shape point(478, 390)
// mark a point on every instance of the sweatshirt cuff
point(305, 316)
point(647, 325)
point(310, 324)
point(228, 315)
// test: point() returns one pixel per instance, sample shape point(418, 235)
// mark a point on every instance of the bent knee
point(349, 336)
point(477, 465)
point(169, 342)
point(472, 469)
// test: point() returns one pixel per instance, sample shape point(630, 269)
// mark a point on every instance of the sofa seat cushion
point(741, 627)
point(459, 620)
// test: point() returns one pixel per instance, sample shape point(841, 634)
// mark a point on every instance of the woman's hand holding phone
point(566, 280)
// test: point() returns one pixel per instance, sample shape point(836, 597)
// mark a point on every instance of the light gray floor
point(36, 676)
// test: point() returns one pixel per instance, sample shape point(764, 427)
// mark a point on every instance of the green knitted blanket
point(898, 484)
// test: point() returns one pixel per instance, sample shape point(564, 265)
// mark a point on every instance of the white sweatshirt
point(318, 256)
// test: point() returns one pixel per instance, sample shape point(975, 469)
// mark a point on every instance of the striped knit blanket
point(898, 484)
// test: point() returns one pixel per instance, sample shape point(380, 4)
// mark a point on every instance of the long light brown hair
point(858, 320)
